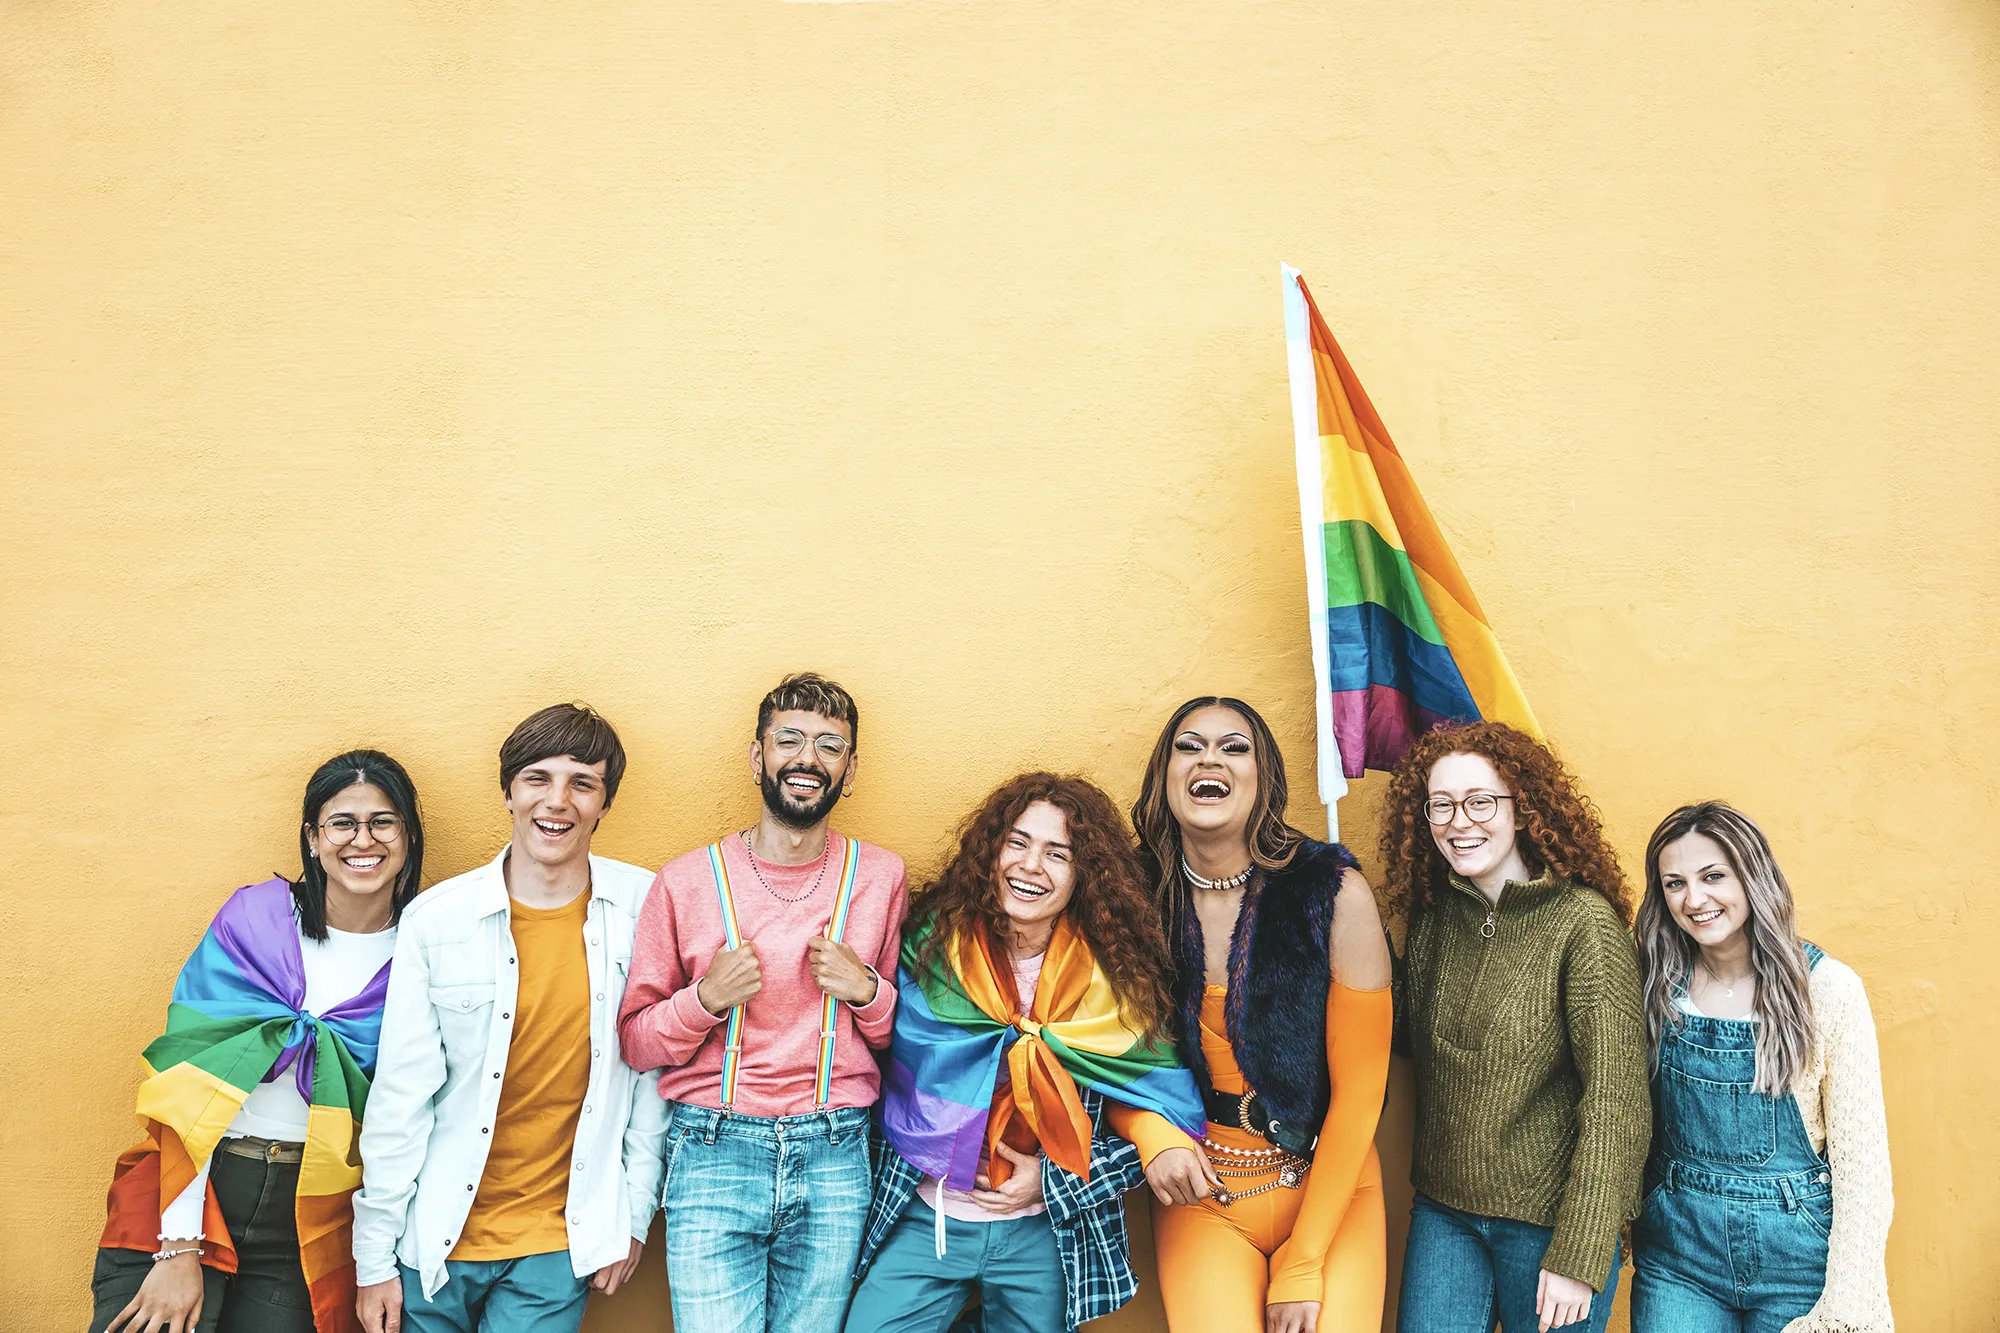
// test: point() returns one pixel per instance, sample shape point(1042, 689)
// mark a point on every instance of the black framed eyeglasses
point(1479, 807)
point(343, 829)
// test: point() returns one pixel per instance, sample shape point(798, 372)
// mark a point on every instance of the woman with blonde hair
point(1520, 1013)
point(1769, 1195)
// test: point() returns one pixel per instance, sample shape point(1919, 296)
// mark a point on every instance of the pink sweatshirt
point(662, 1025)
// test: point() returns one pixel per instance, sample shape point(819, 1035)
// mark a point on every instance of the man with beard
point(762, 983)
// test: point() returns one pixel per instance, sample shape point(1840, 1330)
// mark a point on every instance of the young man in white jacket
point(511, 1161)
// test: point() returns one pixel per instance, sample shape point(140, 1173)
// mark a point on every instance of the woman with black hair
point(1283, 1012)
point(233, 1214)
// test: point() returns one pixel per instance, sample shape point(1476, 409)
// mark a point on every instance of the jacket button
point(484, 1130)
point(506, 1016)
point(586, 1110)
point(600, 997)
point(579, 1166)
point(468, 1189)
point(496, 1073)
point(465, 1004)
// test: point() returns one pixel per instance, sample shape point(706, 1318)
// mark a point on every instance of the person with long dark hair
point(1030, 1048)
point(1281, 1006)
point(1520, 1014)
point(233, 1213)
point(1769, 1192)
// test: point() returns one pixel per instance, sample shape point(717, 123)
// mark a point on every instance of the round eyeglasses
point(1479, 807)
point(343, 829)
point(789, 742)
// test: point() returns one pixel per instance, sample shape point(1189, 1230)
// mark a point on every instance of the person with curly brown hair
point(1519, 1008)
point(1282, 1006)
point(1033, 999)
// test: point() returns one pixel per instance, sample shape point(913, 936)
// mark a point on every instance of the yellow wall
point(376, 372)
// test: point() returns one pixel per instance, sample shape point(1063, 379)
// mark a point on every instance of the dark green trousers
point(267, 1294)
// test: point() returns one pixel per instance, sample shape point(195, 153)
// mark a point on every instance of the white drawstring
point(940, 1220)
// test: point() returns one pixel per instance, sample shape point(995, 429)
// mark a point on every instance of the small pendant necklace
point(812, 888)
point(1728, 987)
point(1235, 881)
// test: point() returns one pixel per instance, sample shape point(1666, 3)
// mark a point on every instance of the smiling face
point(802, 787)
point(1703, 891)
point(1037, 869)
point(370, 863)
point(1474, 849)
point(556, 803)
point(1212, 773)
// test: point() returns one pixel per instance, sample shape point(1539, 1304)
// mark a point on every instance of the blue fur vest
point(1279, 972)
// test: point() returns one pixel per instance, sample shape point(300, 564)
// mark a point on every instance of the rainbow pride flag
point(1400, 644)
point(954, 1032)
point(236, 1021)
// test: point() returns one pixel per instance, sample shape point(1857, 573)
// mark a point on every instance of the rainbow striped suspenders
point(732, 935)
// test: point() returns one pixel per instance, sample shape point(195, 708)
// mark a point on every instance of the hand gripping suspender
point(732, 935)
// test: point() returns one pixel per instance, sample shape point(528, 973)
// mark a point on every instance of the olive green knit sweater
point(1529, 1048)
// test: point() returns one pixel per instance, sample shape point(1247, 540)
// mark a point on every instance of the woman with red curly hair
point(1521, 1014)
point(1032, 997)
point(1282, 1007)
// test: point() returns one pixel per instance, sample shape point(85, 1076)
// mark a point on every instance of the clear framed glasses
point(343, 829)
point(790, 743)
point(1479, 807)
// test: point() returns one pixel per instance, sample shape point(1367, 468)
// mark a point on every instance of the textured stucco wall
point(377, 372)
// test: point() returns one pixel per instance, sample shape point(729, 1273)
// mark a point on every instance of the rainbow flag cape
point(954, 1031)
point(1400, 644)
point(236, 1021)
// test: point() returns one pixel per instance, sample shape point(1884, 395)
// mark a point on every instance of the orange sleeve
point(1358, 1027)
point(1148, 1131)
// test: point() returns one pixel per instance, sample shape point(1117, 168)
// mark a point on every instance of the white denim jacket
point(446, 1026)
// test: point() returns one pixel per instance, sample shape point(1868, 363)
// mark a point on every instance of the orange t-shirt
point(519, 1208)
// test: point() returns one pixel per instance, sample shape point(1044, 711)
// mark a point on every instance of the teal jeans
point(535, 1294)
point(1014, 1266)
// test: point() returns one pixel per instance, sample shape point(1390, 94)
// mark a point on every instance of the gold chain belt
point(1232, 1163)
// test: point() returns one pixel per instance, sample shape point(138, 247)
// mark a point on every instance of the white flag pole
point(1312, 517)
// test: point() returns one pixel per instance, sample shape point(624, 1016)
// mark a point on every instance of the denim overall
point(1733, 1233)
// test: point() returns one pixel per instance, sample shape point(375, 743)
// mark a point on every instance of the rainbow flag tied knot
point(236, 1021)
point(1400, 644)
point(955, 1027)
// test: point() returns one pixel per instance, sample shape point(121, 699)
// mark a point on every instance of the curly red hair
point(1560, 830)
point(1109, 906)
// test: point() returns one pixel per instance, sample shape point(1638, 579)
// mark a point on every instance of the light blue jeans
point(1462, 1272)
point(764, 1218)
point(1014, 1266)
point(536, 1294)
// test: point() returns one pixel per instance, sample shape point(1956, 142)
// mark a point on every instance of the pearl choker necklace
point(1235, 881)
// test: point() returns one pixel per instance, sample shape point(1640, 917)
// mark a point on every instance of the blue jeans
point(1715, 1257)
point(1013, 1265)
point(535, 1294)
point(1462, 1271)
point(764, 1218)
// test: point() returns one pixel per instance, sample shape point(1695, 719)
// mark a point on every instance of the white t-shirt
point(337, 969)
point(958, 1204)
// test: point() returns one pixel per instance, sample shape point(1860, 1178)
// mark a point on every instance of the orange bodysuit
point(1326, 1241)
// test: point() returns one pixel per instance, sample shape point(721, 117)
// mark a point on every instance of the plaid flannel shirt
point(1088, 1216)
